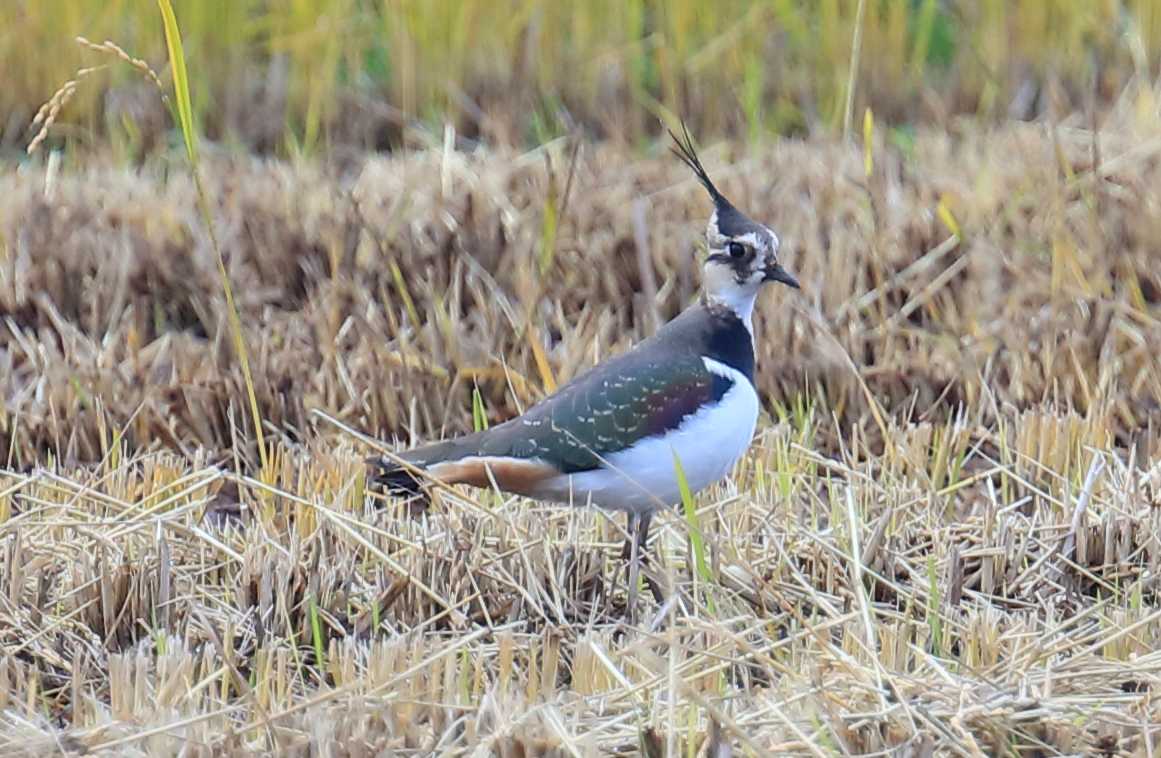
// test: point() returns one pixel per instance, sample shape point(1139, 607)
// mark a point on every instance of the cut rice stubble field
point(944, 536)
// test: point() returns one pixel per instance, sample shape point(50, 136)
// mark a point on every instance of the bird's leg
point(638, 524)
point(635, 553)
point(635, 546)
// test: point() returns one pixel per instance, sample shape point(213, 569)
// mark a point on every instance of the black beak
point(775, 273)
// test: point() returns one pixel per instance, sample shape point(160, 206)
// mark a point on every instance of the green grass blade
point(691, 520)
point(185, 118)
point(548, 235)
point(479, 414)
point(317, 638)
point(180, 78)
point(934, 600)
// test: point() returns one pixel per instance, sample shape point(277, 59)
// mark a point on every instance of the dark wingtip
point(687, 154)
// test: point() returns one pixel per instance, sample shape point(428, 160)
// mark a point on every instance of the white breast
point(642, 477)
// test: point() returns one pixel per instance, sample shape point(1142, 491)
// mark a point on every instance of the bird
point(610, 437)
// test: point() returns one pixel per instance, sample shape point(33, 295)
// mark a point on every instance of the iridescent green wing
point(608, 410)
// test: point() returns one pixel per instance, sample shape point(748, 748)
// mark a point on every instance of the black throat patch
point(729, 341)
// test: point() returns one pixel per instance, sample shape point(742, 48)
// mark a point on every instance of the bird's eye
point(737, 250)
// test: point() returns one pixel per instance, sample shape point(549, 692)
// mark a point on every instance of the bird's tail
point(403, 474)
point(394, 478)
point(481, 459)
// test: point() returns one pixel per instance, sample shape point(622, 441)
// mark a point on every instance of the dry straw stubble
point(157, 594)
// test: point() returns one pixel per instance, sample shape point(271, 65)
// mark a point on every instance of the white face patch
point(722, 286)
point(753, 240)
point(713, 235)
point(726, 283)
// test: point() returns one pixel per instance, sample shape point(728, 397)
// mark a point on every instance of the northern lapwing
point(609, 437)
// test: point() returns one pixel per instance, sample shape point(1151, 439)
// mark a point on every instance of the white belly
point(643, 477)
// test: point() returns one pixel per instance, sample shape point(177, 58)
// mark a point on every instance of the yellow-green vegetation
point(944, 539)
point(295, 75)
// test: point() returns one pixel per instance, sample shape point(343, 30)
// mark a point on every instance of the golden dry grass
point(943, 541)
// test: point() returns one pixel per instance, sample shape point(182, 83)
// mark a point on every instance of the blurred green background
point(299, 76)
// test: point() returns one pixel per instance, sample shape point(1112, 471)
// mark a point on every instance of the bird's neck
point(739, 301)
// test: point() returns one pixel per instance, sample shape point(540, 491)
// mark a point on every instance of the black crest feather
point(686, 153)
point(730, 221)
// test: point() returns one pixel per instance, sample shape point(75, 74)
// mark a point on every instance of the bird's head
point(743, 254)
